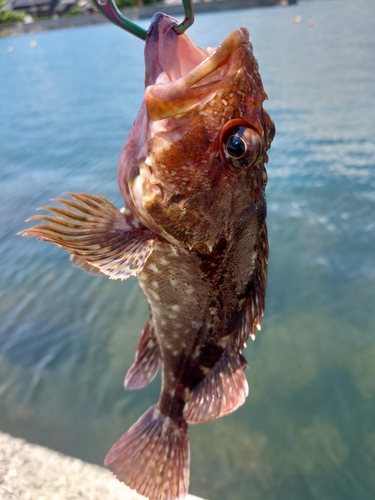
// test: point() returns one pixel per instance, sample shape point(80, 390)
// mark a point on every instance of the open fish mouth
point(175, 66)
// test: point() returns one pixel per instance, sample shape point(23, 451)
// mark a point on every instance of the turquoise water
point(307, 430)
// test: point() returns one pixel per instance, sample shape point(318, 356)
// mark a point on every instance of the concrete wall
point(31, 472)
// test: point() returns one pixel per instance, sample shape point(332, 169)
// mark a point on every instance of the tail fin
point(153, 457)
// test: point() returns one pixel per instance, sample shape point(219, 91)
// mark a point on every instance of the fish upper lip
point(177, 88)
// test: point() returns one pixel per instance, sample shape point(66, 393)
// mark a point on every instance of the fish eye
point(236, 147)
point(240, 144)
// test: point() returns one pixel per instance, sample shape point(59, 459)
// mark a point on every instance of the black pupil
point(236, 146)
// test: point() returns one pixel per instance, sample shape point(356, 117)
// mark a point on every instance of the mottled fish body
point(193, 233)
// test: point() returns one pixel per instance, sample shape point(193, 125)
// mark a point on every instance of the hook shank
point(189, 17)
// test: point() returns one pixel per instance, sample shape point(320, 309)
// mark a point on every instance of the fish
point(193, 232)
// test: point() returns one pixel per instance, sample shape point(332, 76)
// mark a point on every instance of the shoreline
point(32, 472)
point(20, 28)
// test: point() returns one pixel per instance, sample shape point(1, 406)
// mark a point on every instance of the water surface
point(307, 430)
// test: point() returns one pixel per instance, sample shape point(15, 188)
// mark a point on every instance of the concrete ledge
point(31, 472)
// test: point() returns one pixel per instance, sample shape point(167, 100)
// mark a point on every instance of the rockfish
point(193, 232)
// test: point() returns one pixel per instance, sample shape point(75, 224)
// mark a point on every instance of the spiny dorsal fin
point(225, 387)
point(253, 307)
point(147, 360)
point(222, 391)
point(91, 228)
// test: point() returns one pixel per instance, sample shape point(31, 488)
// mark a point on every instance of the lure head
point(193, 164)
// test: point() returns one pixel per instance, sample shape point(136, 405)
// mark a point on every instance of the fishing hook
point(110, 10)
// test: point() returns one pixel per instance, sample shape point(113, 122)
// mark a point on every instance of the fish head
point(193, 164)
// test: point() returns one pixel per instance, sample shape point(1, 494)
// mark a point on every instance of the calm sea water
point(307, 430)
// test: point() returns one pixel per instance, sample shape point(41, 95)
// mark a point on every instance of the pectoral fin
point(85, 266)
point(96, 234)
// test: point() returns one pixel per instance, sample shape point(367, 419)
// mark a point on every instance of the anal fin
point(153, 457)
point(222, 391)
point(147, 360)
point(93, 230)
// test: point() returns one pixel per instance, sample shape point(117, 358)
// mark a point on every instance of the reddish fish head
point(193, 164)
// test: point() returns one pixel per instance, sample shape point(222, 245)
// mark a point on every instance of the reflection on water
point(307, 429)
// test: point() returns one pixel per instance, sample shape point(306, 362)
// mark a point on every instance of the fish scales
point(194, 234)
